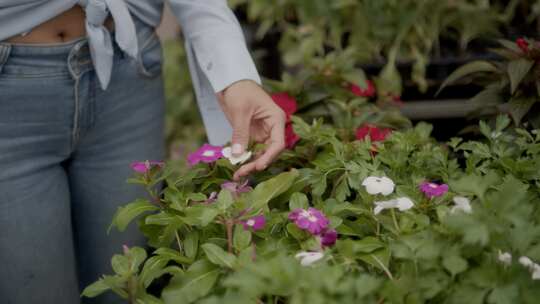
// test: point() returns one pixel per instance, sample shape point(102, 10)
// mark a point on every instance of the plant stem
point(131, 296)
point(394, 219)
point(229, 226)
point(178, 240)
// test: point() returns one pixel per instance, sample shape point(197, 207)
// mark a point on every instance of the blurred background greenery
point(310, 48)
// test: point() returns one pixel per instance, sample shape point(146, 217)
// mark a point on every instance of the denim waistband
point(57, 59)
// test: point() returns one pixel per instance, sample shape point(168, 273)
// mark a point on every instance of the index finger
point(276, 144)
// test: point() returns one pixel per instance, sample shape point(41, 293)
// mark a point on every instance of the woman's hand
point(253, 115)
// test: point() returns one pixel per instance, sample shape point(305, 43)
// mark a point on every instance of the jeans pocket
point(150, 57)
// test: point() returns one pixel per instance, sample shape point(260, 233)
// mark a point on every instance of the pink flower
point(236, 188)
point(255, 223)
point(286, 102)
point(206, 154)
point(311, 220)
point(369, 91)
point(374, 133)
point(145, 166)
point(523, 45)
point(291, 138)
point(328, 237)
point(433, 190)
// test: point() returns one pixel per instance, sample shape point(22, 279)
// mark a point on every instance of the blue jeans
point(65, 150)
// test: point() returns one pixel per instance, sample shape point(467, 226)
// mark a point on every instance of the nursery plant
point(385, 32)
point(373, 216)
point(511, 83)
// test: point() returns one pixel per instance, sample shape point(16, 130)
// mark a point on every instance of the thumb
point(240, 138)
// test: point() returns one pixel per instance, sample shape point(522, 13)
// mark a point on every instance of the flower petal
point(227, 153)
point(525, 261)
point(505, 257)
point(308, 258)
point(404, 203)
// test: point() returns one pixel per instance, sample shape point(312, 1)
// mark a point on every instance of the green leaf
point(367, 245)
point(271, 188)
point(114, 283)
point(475, 184)
point(379, 259)
point(148, 299)
point(295, 232)
point(171, 254)
point(224, 200)
point(163, 218)
point(200, 215)
point(192, 285)
point(508, 294)
point(120, 264)
point(191, 244)
point(136, 256)
point(469, 68)
point(454, 264)
point(242, 238)
point(124, 215)
point(519, 107)
point(95, 289)
point(357, 77)
point(298, 200)
point(517, 70)
point(218, 256)
point(154, 268)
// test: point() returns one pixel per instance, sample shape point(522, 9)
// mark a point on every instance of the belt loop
point(5, 50)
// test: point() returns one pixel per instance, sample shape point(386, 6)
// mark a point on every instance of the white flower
point(536, 272)
point(307, 258)
point(525, 261)
point(402, 204)
point(227, 152)
point(533, 267)
point(505, 257)
point(461, 204)
point(376, 185)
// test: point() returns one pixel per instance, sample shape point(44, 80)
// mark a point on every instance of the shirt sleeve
point(218, 45)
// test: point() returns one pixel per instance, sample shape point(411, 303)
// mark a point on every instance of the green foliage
point(428, 254)
point(316, 34)
point(510, 86)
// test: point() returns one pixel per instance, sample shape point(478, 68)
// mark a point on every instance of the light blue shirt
point(215, 45)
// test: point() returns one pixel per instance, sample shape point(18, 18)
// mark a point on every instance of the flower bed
point(398, 218)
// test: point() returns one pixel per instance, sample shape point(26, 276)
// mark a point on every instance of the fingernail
point(237, 149)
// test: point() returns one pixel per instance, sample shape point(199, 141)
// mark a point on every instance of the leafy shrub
point(315, 33)
point(453, 223)
point(511, 85)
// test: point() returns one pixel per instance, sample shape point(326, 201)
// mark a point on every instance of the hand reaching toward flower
point(253, 115)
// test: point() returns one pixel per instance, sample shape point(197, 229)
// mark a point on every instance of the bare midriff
point(65, 27)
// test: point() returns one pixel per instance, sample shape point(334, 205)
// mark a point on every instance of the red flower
point(291, 138)
point(374, 133)
point(396, 99)
point(523, 45)
point(358, 91)
point(286, 102)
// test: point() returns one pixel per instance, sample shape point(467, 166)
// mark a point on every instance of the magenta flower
point(255, 223)
point(328, 237)
point(236, 188)
point(311, 220)
point(206, 154)
point(432, 189)
point(145, 166)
